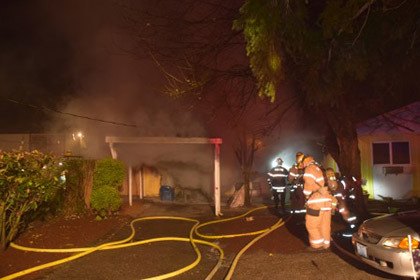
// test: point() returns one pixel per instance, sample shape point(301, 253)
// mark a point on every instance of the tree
point(203, 61)
point(348, 60)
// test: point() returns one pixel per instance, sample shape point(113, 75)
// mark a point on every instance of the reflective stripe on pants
point(319, 229)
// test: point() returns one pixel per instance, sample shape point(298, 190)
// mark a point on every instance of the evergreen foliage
point(329, 46)
point(108, 172)
point(28, 182)
point(108, 177)
point(105, 200)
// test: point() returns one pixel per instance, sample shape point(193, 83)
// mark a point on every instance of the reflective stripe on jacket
point(318, 195)
point(295, 175)
point(278, 176)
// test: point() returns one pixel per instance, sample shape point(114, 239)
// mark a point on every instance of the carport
point(112, 140)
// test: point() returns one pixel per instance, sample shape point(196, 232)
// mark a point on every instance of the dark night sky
point(64, 55)
point(31, 52)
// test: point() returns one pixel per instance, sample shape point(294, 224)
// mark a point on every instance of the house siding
point(365, 146)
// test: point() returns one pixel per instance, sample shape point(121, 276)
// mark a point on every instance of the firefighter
point(349, 198)
point(277, 178)
point(295, 179)
point(318, 205)
point(337, 191)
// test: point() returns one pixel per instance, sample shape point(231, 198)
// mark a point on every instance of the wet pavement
point(279, 255)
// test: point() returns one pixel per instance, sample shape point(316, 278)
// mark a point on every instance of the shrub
point(107, 179)
point(105, 200)
point(28, 181)
point(108, 172)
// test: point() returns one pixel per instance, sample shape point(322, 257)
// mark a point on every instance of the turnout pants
point(319, 229)
point(298, 199)
point(279, 198)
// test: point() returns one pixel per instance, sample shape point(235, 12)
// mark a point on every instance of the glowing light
point(78, 136)
point(285, 164)
point(274, 163)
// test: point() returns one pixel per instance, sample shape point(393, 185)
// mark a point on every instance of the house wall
point(328, 161)
point(146, 176)
point(58, 144)
point(10, 142)
point(367, 167)
point(151, 182)
point(415, 148)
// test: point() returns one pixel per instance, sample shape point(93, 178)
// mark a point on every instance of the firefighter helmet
point(329, 172)
point(299, 157)
point(279, 161)
point(307, 160)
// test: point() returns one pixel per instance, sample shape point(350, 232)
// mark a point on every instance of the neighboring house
point(59, 144)
point(390, 153)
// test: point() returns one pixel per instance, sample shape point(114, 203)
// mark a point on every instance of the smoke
point(115, 95)
point(110, 93)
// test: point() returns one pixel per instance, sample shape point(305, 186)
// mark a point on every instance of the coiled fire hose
point(80, 252)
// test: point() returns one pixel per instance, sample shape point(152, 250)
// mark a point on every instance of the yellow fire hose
point(124, 243)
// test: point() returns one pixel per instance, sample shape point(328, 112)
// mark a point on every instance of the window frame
point(391, 154)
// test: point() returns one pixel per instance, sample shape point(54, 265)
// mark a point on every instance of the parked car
point(382, 242)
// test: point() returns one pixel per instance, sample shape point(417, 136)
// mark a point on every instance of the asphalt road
point(279, 255)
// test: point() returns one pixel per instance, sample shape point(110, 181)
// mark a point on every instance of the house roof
point(402, 120)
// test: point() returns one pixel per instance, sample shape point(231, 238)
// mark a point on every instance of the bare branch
point(359, 12)
point(362, 27)
point(395, 7)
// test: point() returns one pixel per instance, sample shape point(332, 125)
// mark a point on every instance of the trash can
point(166, 193)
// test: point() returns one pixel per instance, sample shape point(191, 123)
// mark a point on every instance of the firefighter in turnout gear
point(277, 178)
point(295, 178)
point(349, 198)
point(337, 191)
point(318, 205)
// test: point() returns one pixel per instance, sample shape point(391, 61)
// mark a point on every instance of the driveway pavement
point(279, 255)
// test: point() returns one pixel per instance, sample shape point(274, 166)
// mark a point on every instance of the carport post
point(217, 179)
point(130, 185)
point(113, 150)
point(141, 183)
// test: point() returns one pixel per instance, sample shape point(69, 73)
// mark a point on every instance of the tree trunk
point(247, 178)
point(87, 182)
point(245, 154)
point(347, 155)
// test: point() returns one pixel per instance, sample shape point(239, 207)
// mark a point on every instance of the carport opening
point(146, 142)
